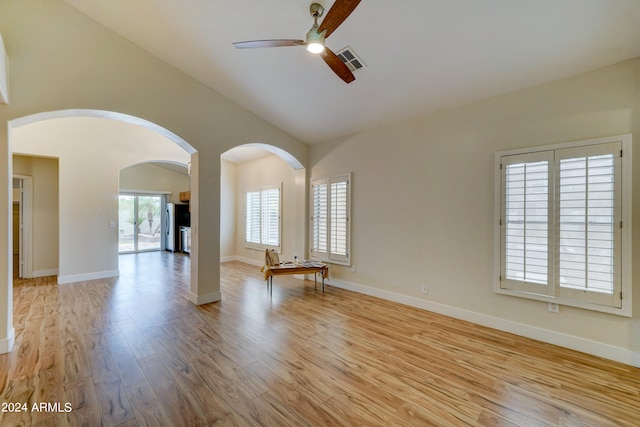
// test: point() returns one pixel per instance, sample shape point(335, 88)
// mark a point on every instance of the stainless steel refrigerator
point(175, 216)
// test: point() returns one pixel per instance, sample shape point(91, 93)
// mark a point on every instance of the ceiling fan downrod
point(315, 40)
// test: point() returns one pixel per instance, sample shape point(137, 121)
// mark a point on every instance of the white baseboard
point(45, 273)
point(6, 344)
point(205, 299)
point(606, 351)
point(227, 258)
point(72, 278)
point(256, 262)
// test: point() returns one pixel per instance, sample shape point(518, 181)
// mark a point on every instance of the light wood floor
point(133, 351)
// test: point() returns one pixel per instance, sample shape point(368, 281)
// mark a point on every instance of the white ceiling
point(421, 55)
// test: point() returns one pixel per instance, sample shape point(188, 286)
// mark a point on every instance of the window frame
point(329, 256)
point(262, 190)
point(554, 293)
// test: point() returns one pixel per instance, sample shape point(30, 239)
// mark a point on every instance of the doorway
point(22, 226)
point(139, 222)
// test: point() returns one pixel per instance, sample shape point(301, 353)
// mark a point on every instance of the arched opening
point(250, 169)
point(91, 148)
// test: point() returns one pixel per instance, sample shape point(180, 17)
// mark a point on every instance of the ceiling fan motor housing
point(316, 10)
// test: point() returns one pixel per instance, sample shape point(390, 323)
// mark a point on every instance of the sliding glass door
point(139, 222)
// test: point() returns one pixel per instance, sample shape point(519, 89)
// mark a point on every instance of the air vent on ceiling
point(349, 57)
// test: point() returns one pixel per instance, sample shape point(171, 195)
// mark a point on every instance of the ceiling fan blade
point(340, 10)
point(251, 44)
point(337, 65)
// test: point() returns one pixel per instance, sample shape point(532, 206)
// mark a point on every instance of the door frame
point(25, 200)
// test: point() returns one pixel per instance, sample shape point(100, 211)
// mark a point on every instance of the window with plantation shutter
point(526, 222)
point(588, 239)
point(330, 226)
point(339, 218)
point(564, 232)
point(320, 218)
point(262, 223)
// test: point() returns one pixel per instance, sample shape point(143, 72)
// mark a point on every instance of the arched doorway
point(92, 147)
point(247, 171)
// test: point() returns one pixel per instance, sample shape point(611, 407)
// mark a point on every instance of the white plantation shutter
point(252, 226)
point(339, 218)
point(320, 218)
point(262, 225)
point(330, 227)
point(271, 217)
point(562, 233)
point(526, 222)
point(588, 223)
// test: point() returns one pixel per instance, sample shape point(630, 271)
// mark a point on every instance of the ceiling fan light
point(315, 47)
point(315, 40)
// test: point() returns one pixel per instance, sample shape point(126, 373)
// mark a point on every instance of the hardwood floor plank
point(210, 408)
point(310, 406)
point(170, 395)
point(133, 351)
point(114, 404)
point(81, 396)
point(146, 407)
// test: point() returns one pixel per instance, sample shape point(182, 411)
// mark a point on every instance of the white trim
point(617, 354)
point(227, 259)
point(284, 155)
point(257, 263)
point(73, 278)
point(4, 74)
point(45, 273)
point(625, 139)
point(6, 344)
point(205, 299)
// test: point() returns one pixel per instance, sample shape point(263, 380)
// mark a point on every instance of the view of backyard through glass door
point(139, 222)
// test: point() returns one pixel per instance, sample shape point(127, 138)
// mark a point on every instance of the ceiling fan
point(315, 40)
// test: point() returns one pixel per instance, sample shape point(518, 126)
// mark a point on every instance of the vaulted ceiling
point(420, 55)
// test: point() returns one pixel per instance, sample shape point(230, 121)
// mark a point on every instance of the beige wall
point(423, 197)
point(44, 172)
point(228, 207)
point(150, 178)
